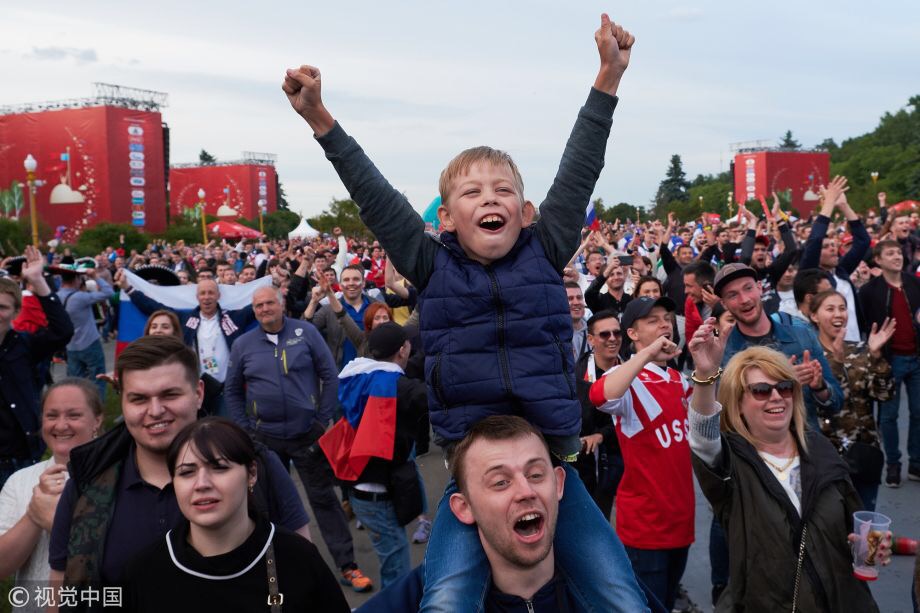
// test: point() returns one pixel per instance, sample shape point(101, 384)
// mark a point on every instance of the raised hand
point(303, 88)
point(878, 337)
point(614, 45)
point(835, 191)
point(662, 350)
point(803, 371)
point(611, 266)
point(706, 348)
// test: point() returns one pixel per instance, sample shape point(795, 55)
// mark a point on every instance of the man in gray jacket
point(282, 387)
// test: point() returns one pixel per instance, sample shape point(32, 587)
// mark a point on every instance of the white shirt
point(14, 502)
point(846, 288)
point(213, 352)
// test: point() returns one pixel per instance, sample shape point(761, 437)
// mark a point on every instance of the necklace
point(779, 469)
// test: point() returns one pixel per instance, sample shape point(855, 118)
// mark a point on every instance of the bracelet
point(708, 381)
point(820, 389)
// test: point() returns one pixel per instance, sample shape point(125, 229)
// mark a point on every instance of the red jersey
point(655, 500)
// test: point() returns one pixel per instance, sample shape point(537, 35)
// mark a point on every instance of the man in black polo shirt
point(119, 499)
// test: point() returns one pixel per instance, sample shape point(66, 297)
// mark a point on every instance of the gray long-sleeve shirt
point(79, 307)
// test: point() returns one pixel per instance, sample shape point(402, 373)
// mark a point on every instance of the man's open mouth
point(529, 525)
point(491, 223)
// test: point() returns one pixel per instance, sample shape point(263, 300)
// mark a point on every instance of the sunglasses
point(763, 391)
point(605, 335)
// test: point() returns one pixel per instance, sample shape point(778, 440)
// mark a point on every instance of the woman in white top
point(71, 416)
point(780, 490)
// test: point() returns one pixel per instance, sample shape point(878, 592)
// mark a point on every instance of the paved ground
point(891, 591)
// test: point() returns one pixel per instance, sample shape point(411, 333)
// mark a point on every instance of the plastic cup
point(870, 529)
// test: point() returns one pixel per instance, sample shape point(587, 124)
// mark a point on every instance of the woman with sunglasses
point(781, 491)
point(864, 376)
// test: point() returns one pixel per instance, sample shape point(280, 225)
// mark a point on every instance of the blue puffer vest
point(498, 340)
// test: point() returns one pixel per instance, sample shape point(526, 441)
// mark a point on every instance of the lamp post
point(731, 197)
point(30, 165)
point(204, 230)
point(261, 211)
point(701, 204)
point(874, 175)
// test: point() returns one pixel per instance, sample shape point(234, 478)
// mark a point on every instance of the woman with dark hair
point(864, 376)
point(71, 416)
point(163, 322)
point(225, 556)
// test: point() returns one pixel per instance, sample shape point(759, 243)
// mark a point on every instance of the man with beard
point(754, 253)
point(737, 286)
point(355, 302)
point(600, 464)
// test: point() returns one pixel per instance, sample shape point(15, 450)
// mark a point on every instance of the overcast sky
point(416, 82)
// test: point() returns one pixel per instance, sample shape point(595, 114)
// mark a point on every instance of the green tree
point(673, 189)
point(276, 224)
point(206, 158)
point(342, 214)
point(94, 240)
point(282, 197)
point(622, 211)
point(787, 142)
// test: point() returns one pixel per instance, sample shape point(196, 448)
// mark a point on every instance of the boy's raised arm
point(385, 211)
point(563, 211)
point(304, 91)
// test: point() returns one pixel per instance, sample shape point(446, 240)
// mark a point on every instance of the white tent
point(303, 230)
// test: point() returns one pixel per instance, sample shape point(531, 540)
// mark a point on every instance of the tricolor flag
point(131, 320)
point(367, 393)
point(591, 220)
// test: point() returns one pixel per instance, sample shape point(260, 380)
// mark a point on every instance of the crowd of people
point(577, 378)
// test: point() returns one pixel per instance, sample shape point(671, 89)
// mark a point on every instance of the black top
point(155, 582)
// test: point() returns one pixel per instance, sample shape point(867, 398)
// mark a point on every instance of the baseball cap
point(641, 307)
point(385, 340)
point(730, 273)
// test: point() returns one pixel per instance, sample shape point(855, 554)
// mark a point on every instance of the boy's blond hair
point(462, 163)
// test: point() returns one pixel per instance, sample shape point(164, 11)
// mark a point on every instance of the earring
point(251, 487)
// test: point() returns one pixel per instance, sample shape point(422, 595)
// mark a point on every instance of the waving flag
point(591, 220)
point(367, 393)
point(131, 320)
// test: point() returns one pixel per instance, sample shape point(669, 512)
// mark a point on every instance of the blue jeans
point(718, 554)
point(660, 570)
point(388, 537)
point(457, 574)
point(87, 363)
point(906, 369)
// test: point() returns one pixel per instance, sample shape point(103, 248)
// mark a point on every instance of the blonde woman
point(780, 490)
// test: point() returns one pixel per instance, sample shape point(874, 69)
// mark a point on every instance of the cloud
point(684, 13)
point(80, 56)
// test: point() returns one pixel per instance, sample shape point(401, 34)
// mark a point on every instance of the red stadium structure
point(798, 173)
point(99, 159)
point(231, 188)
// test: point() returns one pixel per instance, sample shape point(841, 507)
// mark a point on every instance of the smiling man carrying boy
point(495, 321)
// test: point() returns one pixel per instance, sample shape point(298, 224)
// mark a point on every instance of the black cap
point(641, 307)
point(157, 274)
point(385, 340)
point(731, 272)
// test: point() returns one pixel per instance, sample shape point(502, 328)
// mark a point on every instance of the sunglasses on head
point(606, 334)
point(763, 391)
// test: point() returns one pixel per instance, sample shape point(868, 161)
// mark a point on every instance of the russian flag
point(367, 393)
point(591, 220)
point(131, 320)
